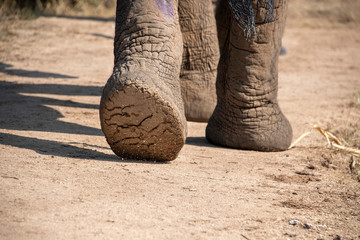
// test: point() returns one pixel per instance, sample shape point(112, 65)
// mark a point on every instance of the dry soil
point(60, 180)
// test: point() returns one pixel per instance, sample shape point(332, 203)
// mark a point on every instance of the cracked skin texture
point(159, 63)
point(247, 114)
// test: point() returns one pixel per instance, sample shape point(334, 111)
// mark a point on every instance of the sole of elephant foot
point(250, 134)
point(139, 124)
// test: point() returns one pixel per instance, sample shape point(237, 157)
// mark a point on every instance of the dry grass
point(10, 9)
point(344, 135)
point(337, 144)
point(331, 139)
point(349, 129)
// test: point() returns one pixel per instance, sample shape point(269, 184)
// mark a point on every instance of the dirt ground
point(60, 180)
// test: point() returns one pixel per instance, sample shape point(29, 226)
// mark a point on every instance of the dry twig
point(332, 140)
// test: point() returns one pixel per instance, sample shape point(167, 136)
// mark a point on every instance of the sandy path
point(60, 180)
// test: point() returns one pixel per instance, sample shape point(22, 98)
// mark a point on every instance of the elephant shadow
point(198, 141)
point(22, 110)
point(201, 142)
point(7, 69)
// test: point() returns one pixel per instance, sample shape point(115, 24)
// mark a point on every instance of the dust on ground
point(60, 180)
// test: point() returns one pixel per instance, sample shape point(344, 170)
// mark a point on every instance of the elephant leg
point(200, 58)
point(247, 114)
point(141, 108)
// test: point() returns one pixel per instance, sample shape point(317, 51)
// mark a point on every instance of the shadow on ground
point(54, 148)
point(201, 142)
point(19, 111)
point(98, 19)
point(31, 113)
point(198, 141)
point(102, 36)
point(7, 69)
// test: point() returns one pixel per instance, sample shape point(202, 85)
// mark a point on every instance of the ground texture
point(60, 180)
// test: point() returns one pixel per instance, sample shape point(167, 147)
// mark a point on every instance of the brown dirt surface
point(60, 180)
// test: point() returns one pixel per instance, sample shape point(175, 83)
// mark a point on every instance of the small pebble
point(283, 51)
point(293, 222)
point(307, 226)
point(321, 226)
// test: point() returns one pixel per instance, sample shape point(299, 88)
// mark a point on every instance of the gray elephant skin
point(175, 60)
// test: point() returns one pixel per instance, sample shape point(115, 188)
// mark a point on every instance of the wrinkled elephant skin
point(166, 63)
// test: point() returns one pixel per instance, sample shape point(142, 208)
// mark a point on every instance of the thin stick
point(298, 140)
point(332, 140)
point(347, 149)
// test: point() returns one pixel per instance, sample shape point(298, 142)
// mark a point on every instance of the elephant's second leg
point(200, 58)
point(141, 109)
point(247, 114)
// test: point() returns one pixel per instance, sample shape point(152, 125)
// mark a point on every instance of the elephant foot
point(199, 95)
point(141, 109)
point(261, 129)
point(200, 58)
point(140, 124)
point(247, 114)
